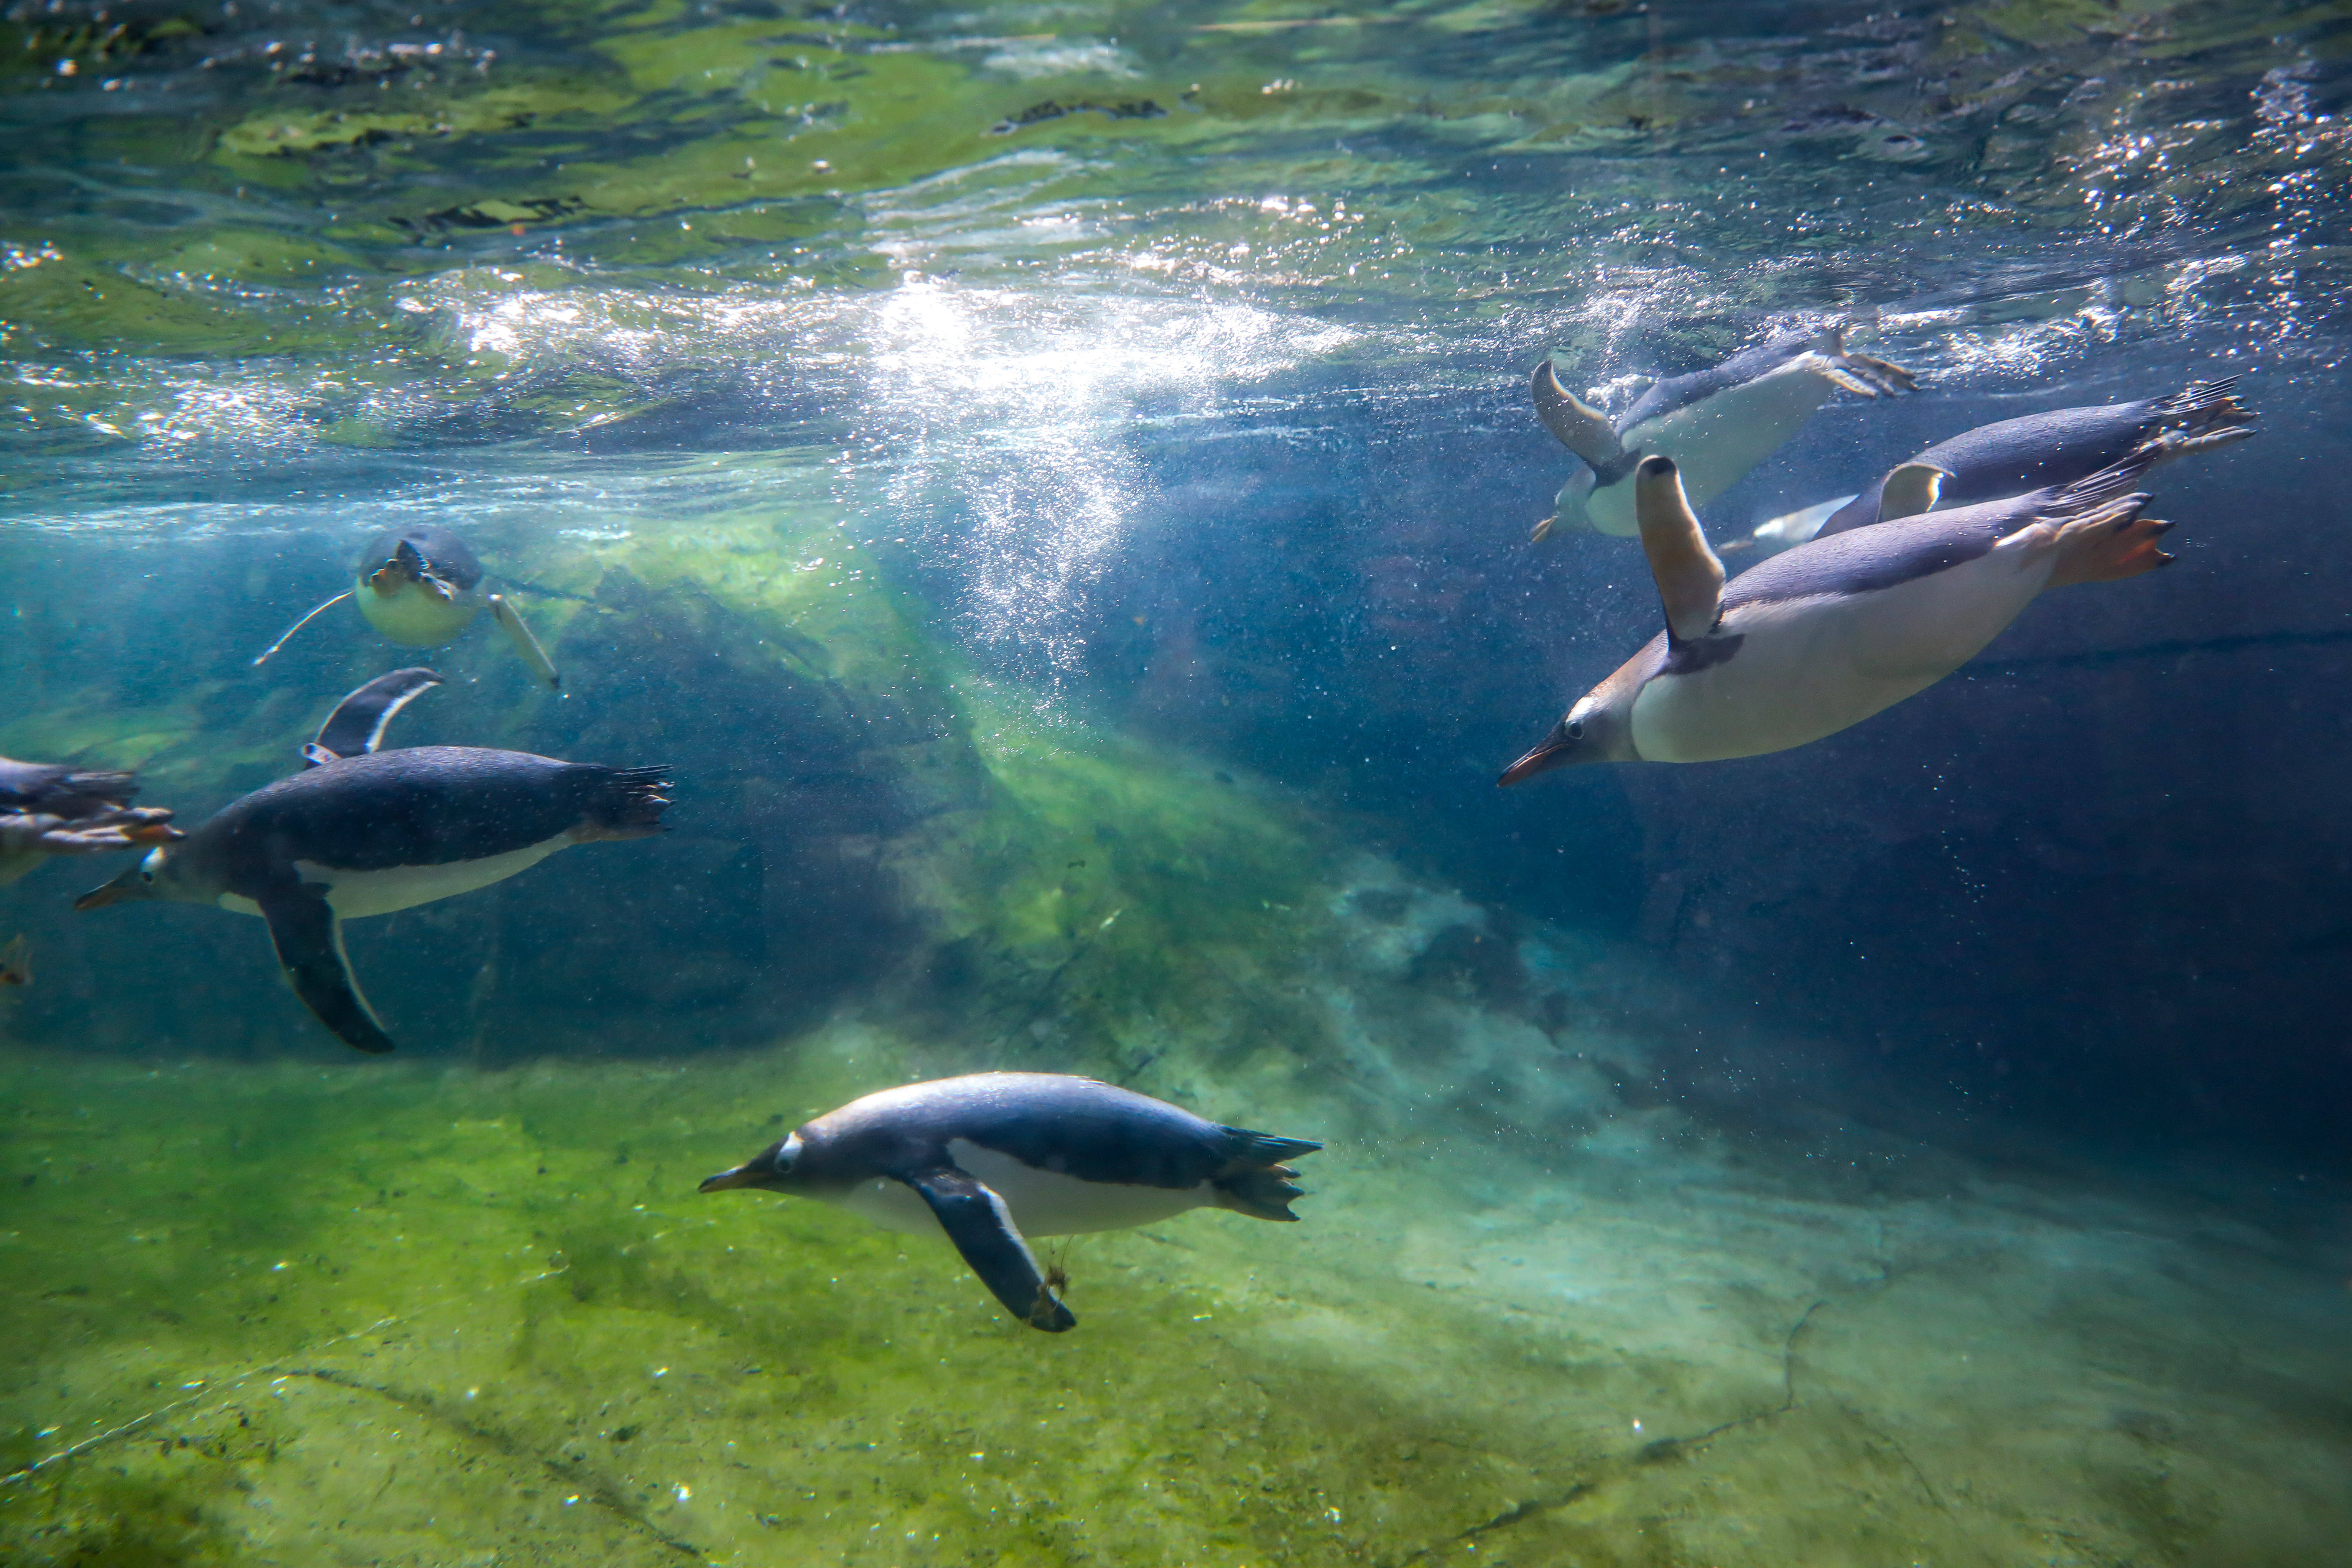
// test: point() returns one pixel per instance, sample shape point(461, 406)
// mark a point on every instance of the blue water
point(1053, 484)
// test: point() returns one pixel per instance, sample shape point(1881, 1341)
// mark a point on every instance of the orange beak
point(1552, 753)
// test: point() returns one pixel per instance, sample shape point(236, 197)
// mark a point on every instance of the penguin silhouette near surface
point(1714, 425)
point(367, 832)
point(50, 810)
point(1827, 634)
point(2033, 451)
point(995, 1157)
point(421, 586)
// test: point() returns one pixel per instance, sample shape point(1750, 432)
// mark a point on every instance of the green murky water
point(1052, 482)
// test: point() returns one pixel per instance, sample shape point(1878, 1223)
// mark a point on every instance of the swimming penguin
point(995, 1156)
point(47, 810)
point(1715, 424)
point(1828, 633)
point(2035, 451)
point(366, 832)
point(421, 586)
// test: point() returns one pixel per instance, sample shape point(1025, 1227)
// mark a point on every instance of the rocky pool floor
point(402, 1314)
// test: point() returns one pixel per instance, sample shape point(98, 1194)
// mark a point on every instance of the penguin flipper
point(982, 1228)
point(263, 656)
point(356, 726)
point(1910, 490)
point(1689, 575)
point(510, 621)
point(1581, 428)
point(309, 943)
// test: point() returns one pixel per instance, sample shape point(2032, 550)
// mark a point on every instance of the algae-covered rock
point(858, 821)
point(402, 1312)
point(813, 732)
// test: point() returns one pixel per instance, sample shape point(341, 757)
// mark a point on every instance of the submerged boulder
point(860, 825)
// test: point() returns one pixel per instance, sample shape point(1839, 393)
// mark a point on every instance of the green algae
point(283, 134)
point(693, 1368)
point(1050, 888)
point(412, 1310)
point(399, 1310)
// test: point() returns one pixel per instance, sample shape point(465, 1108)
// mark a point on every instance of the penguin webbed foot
point(1257, 1178)
point(126, 828)
point(2109, 544)
point(2176, 443)
point(1868, 375)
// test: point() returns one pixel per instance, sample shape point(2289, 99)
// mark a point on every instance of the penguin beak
point(135, 883)
point(99, 898)
point(745, 1175)
point(1557, 751)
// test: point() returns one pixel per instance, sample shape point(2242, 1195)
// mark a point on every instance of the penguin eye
point(1576, 729)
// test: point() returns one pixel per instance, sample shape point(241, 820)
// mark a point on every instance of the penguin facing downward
point(421, 586)
point(1833, 631)
point(995, 1156)
point(2034, 451)
point(1715, 424)
point(372, 832)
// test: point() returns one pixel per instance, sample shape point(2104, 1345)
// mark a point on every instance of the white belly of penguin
point(414, 614)
point(1810, 667)
point(1042, 1202)
point(1714, 441)
point(355, 894)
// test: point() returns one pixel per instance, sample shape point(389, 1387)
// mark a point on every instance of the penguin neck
point(1607, 711)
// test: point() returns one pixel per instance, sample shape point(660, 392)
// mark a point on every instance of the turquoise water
point(1051, 486)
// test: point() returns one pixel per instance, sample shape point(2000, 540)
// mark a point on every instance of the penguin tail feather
point(72, 794)
point(113, 786)
point(2203, 405)
point(2094, 490)
point(623, 802)
point(1253, 1181)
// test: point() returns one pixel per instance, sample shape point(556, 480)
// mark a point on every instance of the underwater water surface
point(1050, 487)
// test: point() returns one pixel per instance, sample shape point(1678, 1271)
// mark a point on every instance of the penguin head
point(161, 873)
point(420, 587)
point(1593, 731)
point(1568, 507)
point(771, 1169)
